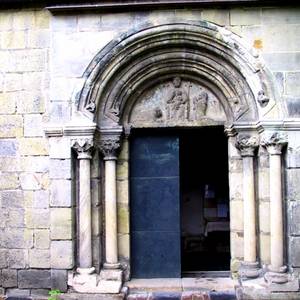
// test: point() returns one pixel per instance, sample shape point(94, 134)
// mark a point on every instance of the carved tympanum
point(177, 101)
point(83, 147)
point(274, 141)
point(109, 147)
point(247, 144)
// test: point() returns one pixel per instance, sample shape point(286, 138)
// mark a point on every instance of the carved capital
point(247, 144)
point(274, 142)
point(109, 147)
point(83, 147)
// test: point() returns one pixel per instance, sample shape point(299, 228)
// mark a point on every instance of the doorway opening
point(179, 202)
point(205, 232)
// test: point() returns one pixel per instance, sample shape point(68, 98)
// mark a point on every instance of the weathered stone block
point(280, 15)
point(61, 88)
point(8, 147)
point(280, 37)
point(264, 248)
point(9, 278)
point(42, 19)
point(59, 280)
point(294, 213)
point(64, 23)
point(31, 181)
point(293, 106)
point(33, 60)
point(13, 82)
point(123, 20)
point(11, 126)
point(23, 20)
point(293, 187)
point(294, 251)
point(10, 164)
point(9, 181)
point(235, 165)
point(18, 293)
point(62, 255)
point(4, 215)
point(60, 112)
point(122, 170)
point(264, 216)
point(17, 258)
point(237, 244)
point(218, 16)
point(283, 61)
point(61, 223)
point(38, 39)
point(39, 258)
point(236, 210)
point(11, 199)
point(60, 169)
point(5, 21)
point(122, 191)
point(40, 199)
point(89, 22)
point(59, 148)
point(263, 185)
point(245, 16)
point(236, 186)
point(41, 239)
point(33, 146)
point(35, 164)
point(293, 83)
point(123, 218)
point(33, 125)
point(60, 193)
point(13, 39)
point(34, 279)
point(16, 238)
point(124, 245)
point(31, 102)
point(7, 103)
point(37, 218)
point(16, 217)
point(3, 258)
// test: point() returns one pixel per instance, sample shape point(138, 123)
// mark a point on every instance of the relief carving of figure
point(200, 104)
point(177, 103)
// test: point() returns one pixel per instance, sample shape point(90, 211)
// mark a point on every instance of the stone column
point(247, 146)
point(109, 147)
point(274, 142)
point(83, 148)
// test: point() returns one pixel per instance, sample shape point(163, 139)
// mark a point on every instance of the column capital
point(246, 144)
point(109, 147)
point(83, 147)
point(274, 142)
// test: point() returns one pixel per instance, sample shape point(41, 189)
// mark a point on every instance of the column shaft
point(111, 237)
point(85, 227)
point(249, 210)
point(276, 221)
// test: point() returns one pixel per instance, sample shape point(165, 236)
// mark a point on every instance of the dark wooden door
point(155, 207)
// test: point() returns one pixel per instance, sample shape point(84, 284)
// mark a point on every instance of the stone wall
point(42, 59)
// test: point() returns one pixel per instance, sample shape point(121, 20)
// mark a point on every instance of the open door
point(155, 207)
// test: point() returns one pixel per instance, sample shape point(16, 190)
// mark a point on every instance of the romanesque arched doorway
point(175, 75)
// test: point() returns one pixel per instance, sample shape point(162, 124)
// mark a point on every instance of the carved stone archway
point(187, 74)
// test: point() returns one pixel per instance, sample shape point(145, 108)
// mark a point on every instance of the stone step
point(185, 295)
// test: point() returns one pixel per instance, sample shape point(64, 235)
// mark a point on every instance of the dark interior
point(205, 240)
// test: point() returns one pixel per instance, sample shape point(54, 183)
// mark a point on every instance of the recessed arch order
point(200, 52)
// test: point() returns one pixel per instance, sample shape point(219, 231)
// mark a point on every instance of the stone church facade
point(84, 85)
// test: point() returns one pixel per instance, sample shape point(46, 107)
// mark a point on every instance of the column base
point(111, 266)
point(108, 282)
point(276, 275)
point(249, 269)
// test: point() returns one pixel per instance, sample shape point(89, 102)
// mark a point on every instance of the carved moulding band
point(247, 144)
point(274, 141)
point(83, 147)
